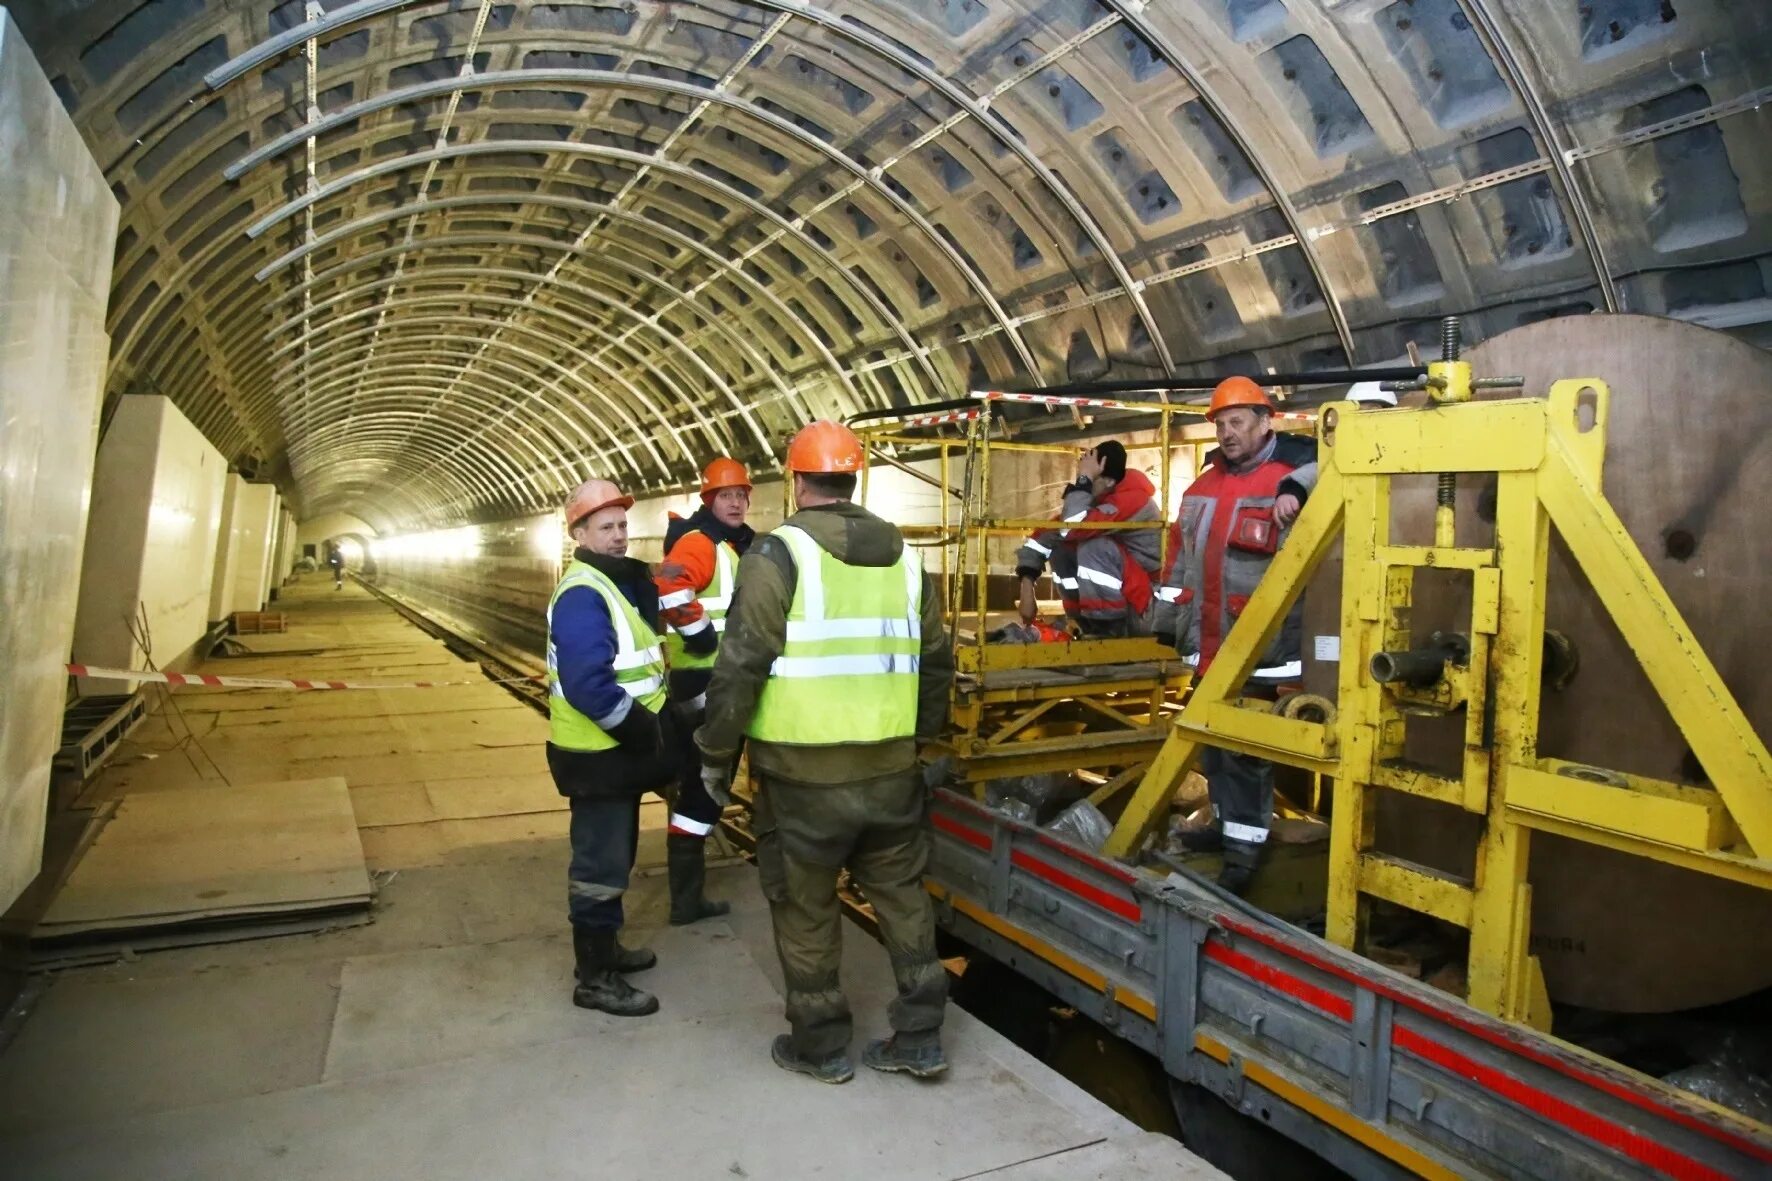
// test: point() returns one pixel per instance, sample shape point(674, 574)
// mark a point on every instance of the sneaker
point(920, 1061)
point(835, 1069)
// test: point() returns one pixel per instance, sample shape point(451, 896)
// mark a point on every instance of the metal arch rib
point(543, 364)
point(461, 295)
point(616, 445)
point(989, 119)
point(388, 398)
point(506, 402)
point(478, 477)
point(345, 230)
point(1501, 52)
point(791, 227)
point(580, 294)
point(515, 349)
point(1133, 13)
point(378, 446)
point(460, 474)
point(456, 241)
point(512, 239)
point(491, 382)
point(366, 9)
point(555, 475)
point(458, 300)
point(590, 293)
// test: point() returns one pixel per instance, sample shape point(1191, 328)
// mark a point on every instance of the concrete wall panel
point(58, 220)
point(157, 501)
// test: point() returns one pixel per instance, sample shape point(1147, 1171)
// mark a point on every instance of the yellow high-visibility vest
point(716, 600)
point(848, 671)
point(639, 663)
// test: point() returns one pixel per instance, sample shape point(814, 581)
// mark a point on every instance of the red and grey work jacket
point(1108, 578)
point(1223, 544)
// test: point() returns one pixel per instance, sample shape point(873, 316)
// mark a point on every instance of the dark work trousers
point(1101, 611)
point(1241, 788)
point(878, 830)
point(693, 811)
point(605, 837)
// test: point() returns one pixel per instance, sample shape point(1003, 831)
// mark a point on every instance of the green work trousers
point(877, 830)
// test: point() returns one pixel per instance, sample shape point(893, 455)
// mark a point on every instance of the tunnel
point(395, 277)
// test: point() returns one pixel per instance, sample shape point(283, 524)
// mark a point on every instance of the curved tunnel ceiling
point(432, 262)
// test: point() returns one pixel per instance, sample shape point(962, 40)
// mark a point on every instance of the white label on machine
point(1328, 648)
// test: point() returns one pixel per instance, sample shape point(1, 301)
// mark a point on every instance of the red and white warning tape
point(126, 674)
point(939, 419)
point(1114, 403)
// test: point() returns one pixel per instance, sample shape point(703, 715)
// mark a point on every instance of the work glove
point(716, 780)
point(937, 773)
point(639, 732)
point(702, 643)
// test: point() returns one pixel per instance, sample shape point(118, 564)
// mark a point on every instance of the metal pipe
point(908, 470)
point(1417, 667)
point(1087, 389)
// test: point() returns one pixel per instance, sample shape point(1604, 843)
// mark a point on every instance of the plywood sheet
point(184, 855)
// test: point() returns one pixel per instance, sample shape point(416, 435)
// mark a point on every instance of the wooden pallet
point(258, 623)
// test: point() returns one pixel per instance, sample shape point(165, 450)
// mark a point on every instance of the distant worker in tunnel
point(335, 557)
point(695, 585)
point(611, 737)
point(1233, 520)
point(1104, 576)
point(834, 662)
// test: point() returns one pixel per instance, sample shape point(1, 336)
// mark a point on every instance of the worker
point(1233, 519)
point(1104, 576)
point(611, 736)
point(335, 557)
point(834, 663)
point(694, 591)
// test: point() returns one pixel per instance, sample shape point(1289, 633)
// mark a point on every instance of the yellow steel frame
point(1547, 457)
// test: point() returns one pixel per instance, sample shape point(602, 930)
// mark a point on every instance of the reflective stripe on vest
point(638, 665)
point(716, 600)
point(847, 672)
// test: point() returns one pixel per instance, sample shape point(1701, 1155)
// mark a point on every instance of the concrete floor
point(439, 1041)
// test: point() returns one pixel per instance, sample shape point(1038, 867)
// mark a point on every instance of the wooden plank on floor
point(174, 856)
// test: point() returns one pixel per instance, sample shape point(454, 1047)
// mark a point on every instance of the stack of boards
point(210, 864)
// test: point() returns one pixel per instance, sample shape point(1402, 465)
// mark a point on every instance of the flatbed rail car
point(1378, 1073)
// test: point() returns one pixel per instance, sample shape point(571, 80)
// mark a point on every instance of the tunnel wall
point(157, 498)
point(55, 239)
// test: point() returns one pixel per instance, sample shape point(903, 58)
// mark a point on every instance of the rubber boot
point(600, 983)
point(686, 859)
point(1240, 861)
point(835, 1069)
point(920, 1059)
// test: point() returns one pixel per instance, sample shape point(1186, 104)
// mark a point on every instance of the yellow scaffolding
point(1093, 705)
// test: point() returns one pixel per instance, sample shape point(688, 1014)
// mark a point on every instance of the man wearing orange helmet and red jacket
point(695, 584)
point(1104, 576)
point(835, 661)
point(1233, 519)
point(612, 735)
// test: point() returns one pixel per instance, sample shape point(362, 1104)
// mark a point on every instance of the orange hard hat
point(825, 447)
point(1237, 391)
point(724, 473)
point(592, 495)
